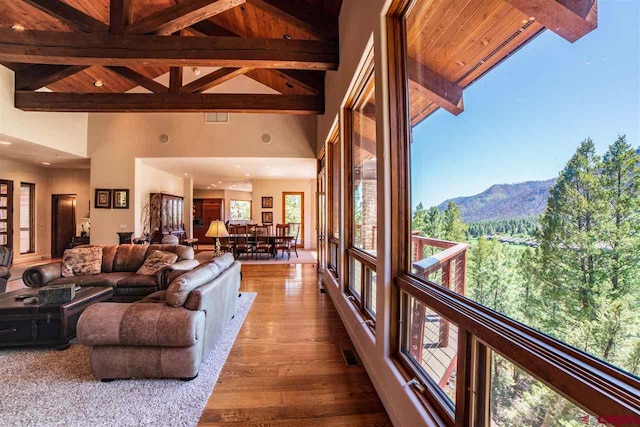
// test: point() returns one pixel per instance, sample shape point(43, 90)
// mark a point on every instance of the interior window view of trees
point(240, 210)
point(529, 205)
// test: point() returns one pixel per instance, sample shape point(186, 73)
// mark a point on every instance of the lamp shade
point(217, 229)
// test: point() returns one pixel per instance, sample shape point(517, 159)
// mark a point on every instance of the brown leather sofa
point(119, 266)
point(169, 333)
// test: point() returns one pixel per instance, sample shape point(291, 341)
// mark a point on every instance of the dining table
point(270, 238)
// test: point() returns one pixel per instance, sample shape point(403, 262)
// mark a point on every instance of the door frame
point(54, 219)
point(284, 216)
point(10, 190)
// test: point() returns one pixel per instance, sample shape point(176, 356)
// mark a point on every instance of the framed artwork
point(267, 202)
point(267, 217)
point(121, 199)
point(102, 199)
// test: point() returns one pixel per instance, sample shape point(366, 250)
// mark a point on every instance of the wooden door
point(63, 222)
point(212, 210)
point(321, 222)
point(293, 212)
point(6, 213)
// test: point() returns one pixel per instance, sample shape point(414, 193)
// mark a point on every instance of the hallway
point(286, 367)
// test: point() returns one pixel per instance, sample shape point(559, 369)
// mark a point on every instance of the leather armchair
point(6, 258)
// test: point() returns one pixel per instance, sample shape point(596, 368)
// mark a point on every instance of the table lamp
point(217, 230)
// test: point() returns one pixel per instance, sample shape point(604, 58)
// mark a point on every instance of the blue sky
point(524, 120)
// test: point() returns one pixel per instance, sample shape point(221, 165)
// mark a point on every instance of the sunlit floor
point(286, 367)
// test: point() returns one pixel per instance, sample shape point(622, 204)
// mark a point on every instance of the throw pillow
point(82, 261)
point(156, 262)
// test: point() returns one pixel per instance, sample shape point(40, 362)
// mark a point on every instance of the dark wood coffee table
point(49, 324)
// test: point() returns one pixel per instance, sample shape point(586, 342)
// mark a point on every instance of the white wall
point(62, 131)
point(274, 188)
point(48, 182)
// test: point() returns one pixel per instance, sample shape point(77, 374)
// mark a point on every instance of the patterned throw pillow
point(82, 261)
point(156, 262)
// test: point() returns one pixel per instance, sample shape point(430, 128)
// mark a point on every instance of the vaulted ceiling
point(80, 47)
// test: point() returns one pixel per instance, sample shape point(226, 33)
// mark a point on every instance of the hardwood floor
point(286, 368)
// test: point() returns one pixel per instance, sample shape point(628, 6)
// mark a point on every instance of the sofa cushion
point(179, 289)
point(101, 279)
point(108, 256)
point(223, 262)
point(5, 273)
point(183, 252)
point(129, 258)
point(135, 280)
point(82, 261)
point(156, 261)
point(158, 296)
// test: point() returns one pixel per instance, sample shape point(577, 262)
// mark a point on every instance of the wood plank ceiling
point(284, 27)
point(283, 44)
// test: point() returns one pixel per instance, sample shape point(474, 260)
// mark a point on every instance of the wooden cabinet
point(167, 216)
point(206, 211)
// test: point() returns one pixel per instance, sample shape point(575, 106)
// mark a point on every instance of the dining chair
point(242, 241)
point(282, 244)
point(262, 244)
point(227, 244)
point(293, 244)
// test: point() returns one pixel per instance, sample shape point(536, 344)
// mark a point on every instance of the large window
point(523, 203)
point(335, 202)
point(240, 210)
point(27, 221)
point(361, 283)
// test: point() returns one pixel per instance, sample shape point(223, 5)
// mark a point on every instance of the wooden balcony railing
point(442, 262)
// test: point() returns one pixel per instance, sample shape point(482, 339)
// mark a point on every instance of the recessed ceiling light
point(5, 143)
point(196, 71)
point(247, 175)
point(287, 36)
point(98, 83)
point(215, 185)
point(219, 182)
point(17, 27)
point(46, 163)
point(208, 188)
point(185, 174)
point(237, 166)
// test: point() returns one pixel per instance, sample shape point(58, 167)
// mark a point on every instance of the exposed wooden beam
point(69, 15)
point(175, 79)
point(15, 66)
point(120, 15)
point(213, 79)
point(312, 20)
point(38, 76)
point(311, 81)
point(137, 78)
point(50, 47)
point(181, 15)
point(168, 102)
point(570, 19)
point(435, 87)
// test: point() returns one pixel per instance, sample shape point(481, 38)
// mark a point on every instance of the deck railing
point(442, 262)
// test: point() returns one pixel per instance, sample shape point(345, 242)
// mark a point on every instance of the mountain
point(503, 201)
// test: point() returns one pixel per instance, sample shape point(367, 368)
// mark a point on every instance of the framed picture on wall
point(102, 199)
point(121, 199)
point(267, 217)
point(267, 202)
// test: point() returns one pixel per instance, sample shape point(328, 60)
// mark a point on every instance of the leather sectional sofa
point(118, 270)
point(169, 333)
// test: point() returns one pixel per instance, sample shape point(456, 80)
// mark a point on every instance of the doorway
point(63, 223)
point(6, 213)
point(293, 213)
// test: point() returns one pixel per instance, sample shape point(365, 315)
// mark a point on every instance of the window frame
point(367, 260)
point(32, 217)
point(333, 200)
point(242, 201)
point(591, 384)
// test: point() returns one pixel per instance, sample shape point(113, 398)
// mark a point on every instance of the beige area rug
point(305, 256)
point(43, 387)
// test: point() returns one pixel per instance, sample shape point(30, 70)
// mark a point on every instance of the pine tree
point(454, 228)
point(433, 223)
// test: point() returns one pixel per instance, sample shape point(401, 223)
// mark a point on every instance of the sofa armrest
point(140, 324)
point(168, 274)
point(40, 275)
point(5, 273)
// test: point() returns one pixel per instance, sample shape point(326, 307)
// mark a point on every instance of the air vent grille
point(350, 357)
point(216, 117)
